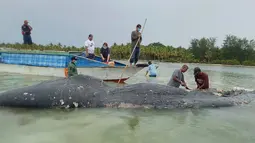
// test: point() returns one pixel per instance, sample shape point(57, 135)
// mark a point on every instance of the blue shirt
point(152, 69)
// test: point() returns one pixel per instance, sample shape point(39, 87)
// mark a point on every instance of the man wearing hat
point(26, 32)
point(72, 69)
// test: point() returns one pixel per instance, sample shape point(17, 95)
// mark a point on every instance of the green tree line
point(234, 51)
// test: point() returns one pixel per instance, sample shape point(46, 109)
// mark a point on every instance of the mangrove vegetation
point(233, 51)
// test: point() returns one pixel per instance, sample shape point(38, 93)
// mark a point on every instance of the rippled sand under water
point(129, 126)
point(225, 125)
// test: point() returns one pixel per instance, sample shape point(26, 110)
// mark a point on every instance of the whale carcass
point(89, 92)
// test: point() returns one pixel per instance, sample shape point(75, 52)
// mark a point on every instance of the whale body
point(89, 92)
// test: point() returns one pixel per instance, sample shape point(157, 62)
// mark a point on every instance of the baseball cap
point(74, 58)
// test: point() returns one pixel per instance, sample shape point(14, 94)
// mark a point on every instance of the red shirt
point(205, 80)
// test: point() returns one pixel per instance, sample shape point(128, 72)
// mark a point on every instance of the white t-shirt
point(90, 45)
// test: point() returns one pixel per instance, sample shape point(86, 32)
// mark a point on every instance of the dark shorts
point(27, 39)
point(91, 56)
point(152, 75)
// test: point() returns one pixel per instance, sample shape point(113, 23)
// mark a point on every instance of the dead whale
point(89, 92)
point(54, 93)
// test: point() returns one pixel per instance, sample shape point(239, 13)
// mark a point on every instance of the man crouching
point(177, 78)
point(201, 79)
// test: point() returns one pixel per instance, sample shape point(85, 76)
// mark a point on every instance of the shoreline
point(60, 50)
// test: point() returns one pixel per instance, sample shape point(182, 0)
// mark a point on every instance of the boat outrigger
point(49, 63)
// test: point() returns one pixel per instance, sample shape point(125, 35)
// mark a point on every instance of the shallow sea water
point(225, 125)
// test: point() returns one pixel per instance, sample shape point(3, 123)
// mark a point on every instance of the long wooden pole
point(133, 51)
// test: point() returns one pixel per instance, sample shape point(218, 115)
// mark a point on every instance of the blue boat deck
point(51, 59)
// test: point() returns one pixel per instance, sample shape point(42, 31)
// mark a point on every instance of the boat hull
point(106, 73)
point(56, 63)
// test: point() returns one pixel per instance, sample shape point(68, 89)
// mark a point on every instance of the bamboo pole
point(132, 51)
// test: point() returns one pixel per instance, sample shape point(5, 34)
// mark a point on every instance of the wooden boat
point(52, 63)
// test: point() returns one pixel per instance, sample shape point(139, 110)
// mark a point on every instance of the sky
point(171, 22)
